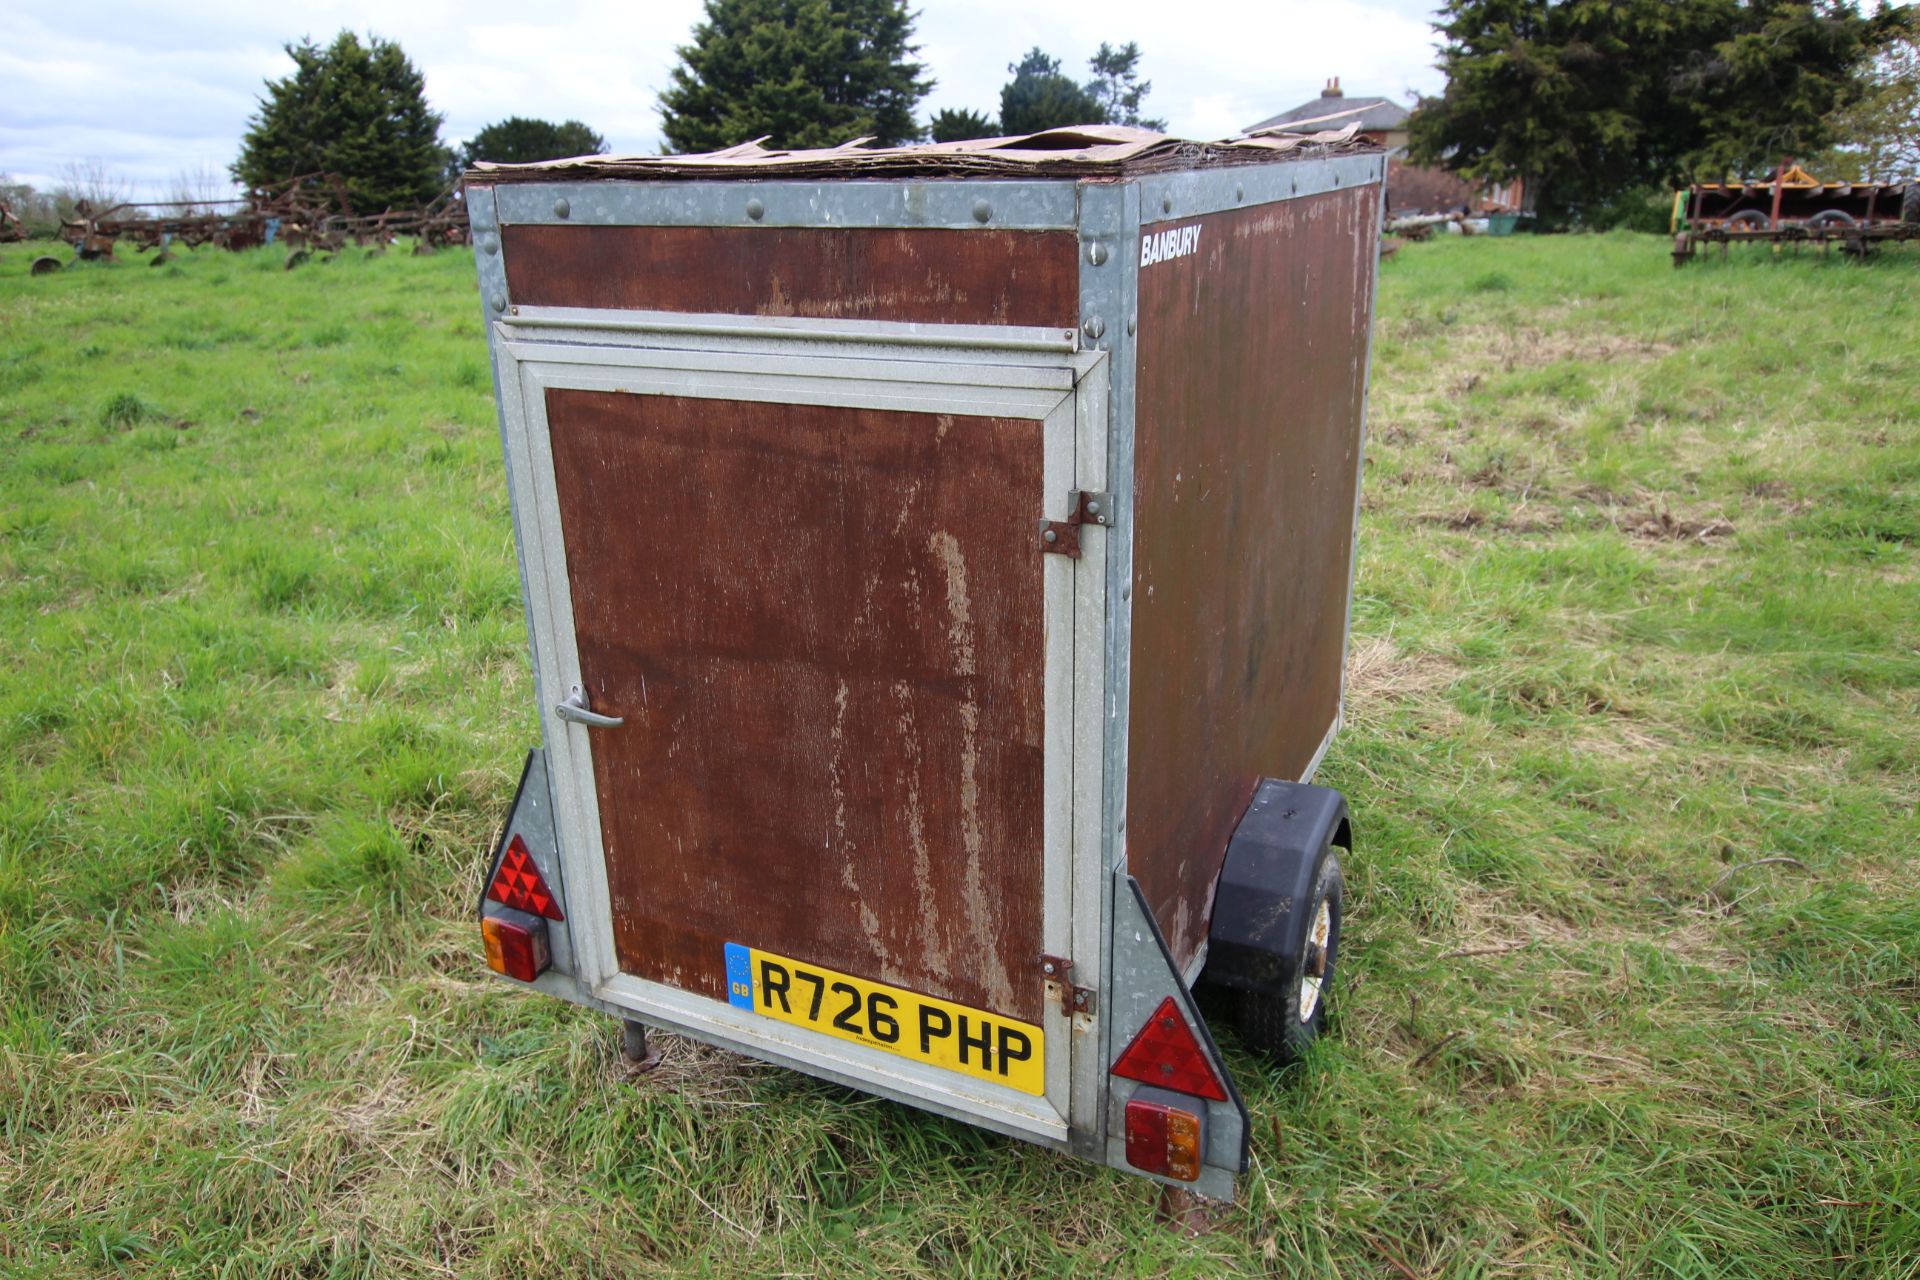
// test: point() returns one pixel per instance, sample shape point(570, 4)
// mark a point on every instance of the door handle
point(575, 709)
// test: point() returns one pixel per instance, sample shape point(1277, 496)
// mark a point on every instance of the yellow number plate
point(970, 1041)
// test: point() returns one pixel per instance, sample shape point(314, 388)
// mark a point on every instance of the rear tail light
point(1166, 1133)
point(1165, 1053)
point(516, 943)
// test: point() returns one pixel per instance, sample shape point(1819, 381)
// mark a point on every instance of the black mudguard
point(1254, 941)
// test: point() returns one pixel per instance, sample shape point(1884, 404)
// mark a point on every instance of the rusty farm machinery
point(304, 213)
point(1791, 206)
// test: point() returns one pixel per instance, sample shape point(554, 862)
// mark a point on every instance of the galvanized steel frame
point(1359, 473)
point(1191, 193)
point(952, 203)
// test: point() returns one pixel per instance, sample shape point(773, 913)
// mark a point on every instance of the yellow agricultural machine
point(1791, 206)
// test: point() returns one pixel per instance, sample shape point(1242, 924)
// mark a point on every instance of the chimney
point(1333, 89)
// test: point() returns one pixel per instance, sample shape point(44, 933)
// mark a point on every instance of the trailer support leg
point(634, 1047)
point(1183, 1212)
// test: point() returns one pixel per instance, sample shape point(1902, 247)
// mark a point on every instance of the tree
point(1039, 97)
point(356, 110)
point(518, 140)
point(1879, 134)
point(1586, 99)
point(949, 125)
point(201, 189)
point(89, 181)
point(807, 73)
point(1117, 87)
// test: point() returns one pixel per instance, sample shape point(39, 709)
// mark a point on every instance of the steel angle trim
point(985, 399)
point(1170, 197)
point(858, 1066)
point(957, 203)
point(729, 330)
point(802, 361)
point(1359, 476)
point(491, 265)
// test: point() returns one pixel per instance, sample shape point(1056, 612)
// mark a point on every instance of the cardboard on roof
point(1081, 151)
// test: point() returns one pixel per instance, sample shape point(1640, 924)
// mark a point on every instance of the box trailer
point(937, 563)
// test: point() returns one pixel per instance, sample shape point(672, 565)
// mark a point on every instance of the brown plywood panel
point(1250, 392)
point(841, 273)
point(824, 627)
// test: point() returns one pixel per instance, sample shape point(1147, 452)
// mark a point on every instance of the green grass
point(1637, 605)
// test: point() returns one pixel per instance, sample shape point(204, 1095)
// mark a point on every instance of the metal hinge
point(1072, 999)
point(1086, 506)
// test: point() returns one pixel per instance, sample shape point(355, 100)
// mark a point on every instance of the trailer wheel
point(1283, 1023)
point(1910, 203)
point(1748, 218)
point(1832, 218)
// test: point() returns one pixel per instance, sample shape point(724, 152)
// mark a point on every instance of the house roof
point(1336, 113)
point(1085, 150)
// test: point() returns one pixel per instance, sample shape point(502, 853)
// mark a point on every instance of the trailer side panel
point(1250, 399)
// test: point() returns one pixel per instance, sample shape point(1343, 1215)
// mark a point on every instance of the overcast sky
point(153, 92)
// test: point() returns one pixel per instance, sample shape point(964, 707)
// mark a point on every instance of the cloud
point(152, 98)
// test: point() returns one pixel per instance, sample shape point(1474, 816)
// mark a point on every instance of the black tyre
point(1283, 1023)
point(1832, 218)
point(1910, 203)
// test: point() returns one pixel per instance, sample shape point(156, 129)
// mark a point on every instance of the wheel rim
point(1313, 965)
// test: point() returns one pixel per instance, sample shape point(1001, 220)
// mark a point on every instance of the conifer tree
point(803, 73)
point(1117, 85)
point(1041, 97)
point(357, 111)
point(519, 140)
point(960, 125)
point(1589, 99)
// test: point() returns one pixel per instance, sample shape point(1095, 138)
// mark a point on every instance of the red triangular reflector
point(1165, 1053)
point(519, 884)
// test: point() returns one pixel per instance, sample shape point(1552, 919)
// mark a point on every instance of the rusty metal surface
point(1077, 151)
point(926, 275)
point(1250, 393)
point(824, 629)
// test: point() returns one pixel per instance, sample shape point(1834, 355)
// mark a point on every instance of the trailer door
point(806, 668)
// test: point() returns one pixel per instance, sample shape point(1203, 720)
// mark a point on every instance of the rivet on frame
point(561, 208)
point(1096, 252)
point(982, 211)
point(499, 301)
point(1239, 194)
point(1166, 203)
point(756, 210)
point(490, 245)
point(1133, 322)
point(1094, 327)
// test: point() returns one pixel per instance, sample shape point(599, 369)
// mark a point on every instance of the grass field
point(1638, 608)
